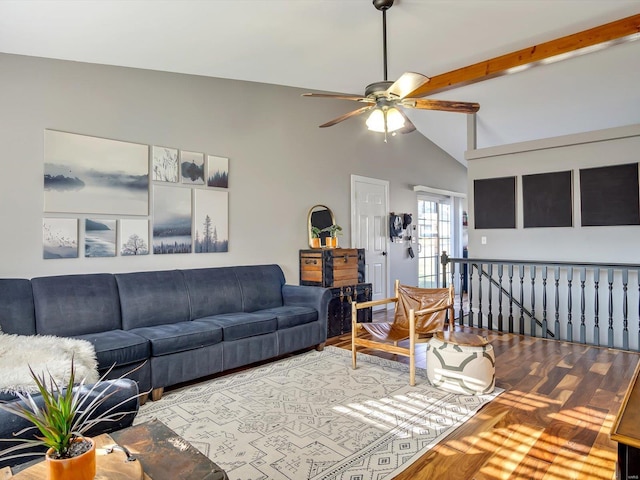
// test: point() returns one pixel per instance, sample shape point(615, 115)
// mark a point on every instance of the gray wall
point(616, 244)
point(281, 163)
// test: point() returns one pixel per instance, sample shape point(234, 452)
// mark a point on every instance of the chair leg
point(354, 334)
point(412, 348)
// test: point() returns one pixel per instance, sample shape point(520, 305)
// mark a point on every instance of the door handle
point(384, 254)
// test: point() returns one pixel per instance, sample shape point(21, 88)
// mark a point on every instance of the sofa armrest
point(314, 297)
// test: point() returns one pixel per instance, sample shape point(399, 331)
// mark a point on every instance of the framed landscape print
point(217, 171)
point(192, 168)
point(134, 237)
point(164, 162)
point(211, 221)
point(59, 238)
point(171, 219)
point(99, 238)
point(85, 174)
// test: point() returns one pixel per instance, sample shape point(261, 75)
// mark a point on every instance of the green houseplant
point(61, 422)
point(315, 237)
point(333, 231)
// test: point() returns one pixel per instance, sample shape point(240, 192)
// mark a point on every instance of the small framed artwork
point(99, 238)
point(134, 237)
point(217, 171)
point(164, 163)
point(211, 220)
point(59, 238)
point(192, 168)
point(171, 219)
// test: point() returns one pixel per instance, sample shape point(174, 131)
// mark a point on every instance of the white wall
point(281, 163)
point(617, 244)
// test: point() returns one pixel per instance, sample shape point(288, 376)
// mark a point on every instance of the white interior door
point(369, 210)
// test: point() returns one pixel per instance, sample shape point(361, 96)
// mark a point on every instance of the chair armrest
point(373, 303)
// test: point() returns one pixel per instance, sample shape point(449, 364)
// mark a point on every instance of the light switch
point(483, 240)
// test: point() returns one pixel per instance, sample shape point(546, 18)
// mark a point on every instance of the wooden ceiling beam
point(603, 36)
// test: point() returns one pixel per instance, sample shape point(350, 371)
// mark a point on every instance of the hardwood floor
point(552, 422)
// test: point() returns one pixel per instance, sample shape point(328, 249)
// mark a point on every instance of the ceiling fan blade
point(406, 84)
point(346, 115)
point(444, 105)
point(355, 98)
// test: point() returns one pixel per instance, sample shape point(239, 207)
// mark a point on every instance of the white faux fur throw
point(45, 354)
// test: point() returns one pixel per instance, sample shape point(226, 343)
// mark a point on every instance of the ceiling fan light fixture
point(395, 120)
point(385, 119)
point(376, 120)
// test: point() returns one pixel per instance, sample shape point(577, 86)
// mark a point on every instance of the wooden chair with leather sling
point(419, 313)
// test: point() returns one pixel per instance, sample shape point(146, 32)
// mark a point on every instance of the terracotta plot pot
point(82, 467)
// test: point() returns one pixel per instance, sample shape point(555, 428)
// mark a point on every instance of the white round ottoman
point(461, 362)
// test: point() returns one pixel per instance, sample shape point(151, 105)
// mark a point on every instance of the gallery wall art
point(211, 221)
point(164, 164)
point(59, 238)
point(134, 237)
point(217, 171)
point(108, 183)
point(171, 220)
point(192, 168)
point(84, 174)
point(99, 238)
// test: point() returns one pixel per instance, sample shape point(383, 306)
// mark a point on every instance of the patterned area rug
point(312, 416)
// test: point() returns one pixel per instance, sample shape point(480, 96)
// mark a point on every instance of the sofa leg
point(320, 347)
point(142, 399)
point(156, 393)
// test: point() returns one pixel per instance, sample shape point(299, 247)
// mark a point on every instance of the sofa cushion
point(71, 305)
point(213, 291)
point(178, 337)
point(261, 286)
point(118, 346)
point(152, 298)
point(242, 324)
point(16, 307)
point(291, 315)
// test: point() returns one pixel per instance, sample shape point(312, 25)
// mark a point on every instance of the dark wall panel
point(547, 200)
point(494, 201)
point(609, 195)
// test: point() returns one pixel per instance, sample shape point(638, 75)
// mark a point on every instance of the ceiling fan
point(382, 99)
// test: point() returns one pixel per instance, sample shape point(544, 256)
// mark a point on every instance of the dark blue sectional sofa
point(175, 325)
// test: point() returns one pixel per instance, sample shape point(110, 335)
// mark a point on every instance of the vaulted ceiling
point(336, 46)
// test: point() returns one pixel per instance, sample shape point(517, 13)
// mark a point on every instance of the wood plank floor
point(552, 422)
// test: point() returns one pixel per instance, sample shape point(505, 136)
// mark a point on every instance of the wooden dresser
point(342, 271)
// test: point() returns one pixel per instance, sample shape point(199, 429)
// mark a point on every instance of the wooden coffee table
point(160, 454)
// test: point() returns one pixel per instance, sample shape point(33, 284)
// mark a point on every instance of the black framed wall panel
point(609, 195)
point(547, 199)
point(494, 202)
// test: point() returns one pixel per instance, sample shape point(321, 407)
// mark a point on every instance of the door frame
point(354, 216)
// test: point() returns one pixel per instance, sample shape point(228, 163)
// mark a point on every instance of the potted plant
point(61, 422)
point(333, 230)
point(315, 237)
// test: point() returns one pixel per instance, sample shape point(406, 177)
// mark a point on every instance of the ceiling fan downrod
point(383, 6)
